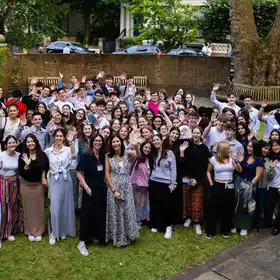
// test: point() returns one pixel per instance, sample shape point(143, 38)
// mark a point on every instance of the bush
point(127, 42)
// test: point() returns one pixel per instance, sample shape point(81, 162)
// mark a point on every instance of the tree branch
point(274, 34)
point(243, 25)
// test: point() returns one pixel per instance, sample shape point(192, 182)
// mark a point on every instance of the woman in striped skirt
point(11, 213)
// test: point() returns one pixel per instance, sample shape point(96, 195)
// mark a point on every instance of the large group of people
point(122, 158)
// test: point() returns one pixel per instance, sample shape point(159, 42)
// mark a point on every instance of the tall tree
point(22, 22)
point(89, 9)
point(214, 18)
point(169, 21)
point(256, 59)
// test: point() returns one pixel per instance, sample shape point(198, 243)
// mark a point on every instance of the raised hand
point(60, 75)
point(71, 135)
point(26, 159)
point(264, 103)
point(84, 79)
point(274, 163)
point(184, 146)
point(216, 87)
point(101, 74)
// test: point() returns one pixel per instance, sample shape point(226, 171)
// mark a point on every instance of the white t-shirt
point(275, 182)
point(222, 171)
point(9, 164)
point(214, 136)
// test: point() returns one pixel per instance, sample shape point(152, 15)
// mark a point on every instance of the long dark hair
point(247, 131)
point(113, 113)
point(143, 156)
point(38, 149)
point(166, 142)
point(82, 135)
point(102, 150)
point(59, 130)
point(273, 155)
point(47, 115)
point(112, 151)
point(163, 151)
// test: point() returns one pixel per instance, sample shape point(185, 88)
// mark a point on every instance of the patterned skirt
point(142, 203)
point(193, 202)
point(11, 211)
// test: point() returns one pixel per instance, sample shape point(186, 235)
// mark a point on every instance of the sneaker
point(168, 233)
point(187, 223)
point(38, 238)
point(243, 232)
point(83, 250)
point(52, 239)
point(63, 237)
point(198, 230)
point(226, 235)
point(234, 230)
point(275, 232)
point(11, 238)
point(154, 230)
point(31, 238)
point(208, 236)
point(273, 217)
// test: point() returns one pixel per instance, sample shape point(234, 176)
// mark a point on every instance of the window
point(59, 45)
point(132, 49)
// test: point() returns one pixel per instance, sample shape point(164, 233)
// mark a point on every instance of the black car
point(141, 49)
point(57, 47)
point(185, 52)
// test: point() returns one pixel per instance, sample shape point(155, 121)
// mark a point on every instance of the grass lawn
point(152, 257)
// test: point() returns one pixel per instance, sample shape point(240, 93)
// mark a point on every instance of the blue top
point(249, 169)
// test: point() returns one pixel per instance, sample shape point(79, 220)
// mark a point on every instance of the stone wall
point(193, 73)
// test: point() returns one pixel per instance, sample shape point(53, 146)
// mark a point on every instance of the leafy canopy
point(214, 18)
point(169, 21)
point(26, 23)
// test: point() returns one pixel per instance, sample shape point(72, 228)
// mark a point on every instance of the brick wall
point(193, 73)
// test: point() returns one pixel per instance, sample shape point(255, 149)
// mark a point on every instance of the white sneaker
point(31, 238)
point(233, 230)
point(52, 239)
point(273, 217)
point(243, 232)
point(154, 230)
point(187, 223)
point(38, 238)
point(63, 237)
point(83, 250)
point(198, 230)
point(168, 233)
point(11, 238)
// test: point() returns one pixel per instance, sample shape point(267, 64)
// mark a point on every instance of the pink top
point(153, 106)
point(140, 173)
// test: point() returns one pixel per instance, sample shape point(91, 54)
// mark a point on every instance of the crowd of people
point(121, 158)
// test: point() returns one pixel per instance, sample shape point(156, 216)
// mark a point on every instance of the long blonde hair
point(222, 150)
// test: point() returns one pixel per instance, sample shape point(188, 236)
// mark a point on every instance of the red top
point(21, 107)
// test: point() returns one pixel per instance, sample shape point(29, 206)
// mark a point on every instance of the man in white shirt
point(67, 49)
point(221, 105)
point(100, 117)
point(214, 134)
point(253, 112)
point(270, 119)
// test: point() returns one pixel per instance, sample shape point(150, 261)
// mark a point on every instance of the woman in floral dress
point(121, 224)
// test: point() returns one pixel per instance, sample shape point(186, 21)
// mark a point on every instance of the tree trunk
point(2, 26)
point(255, 59)
point(87, 22)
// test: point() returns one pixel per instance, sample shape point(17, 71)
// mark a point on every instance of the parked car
point(185, 52)
point(57, 47)
point(141, 49)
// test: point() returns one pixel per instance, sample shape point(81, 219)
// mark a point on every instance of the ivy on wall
point(4, 51)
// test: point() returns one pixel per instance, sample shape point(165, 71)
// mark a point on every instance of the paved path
point(256, 258)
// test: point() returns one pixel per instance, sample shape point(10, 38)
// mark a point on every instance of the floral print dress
point(121, 225)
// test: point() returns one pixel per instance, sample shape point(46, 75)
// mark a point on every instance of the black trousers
point(160, 206)
point(220, 205)
point(272, 197)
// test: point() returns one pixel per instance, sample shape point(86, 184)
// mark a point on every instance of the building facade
point(127, 21)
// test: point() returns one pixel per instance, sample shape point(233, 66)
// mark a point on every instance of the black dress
point(93, 211)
